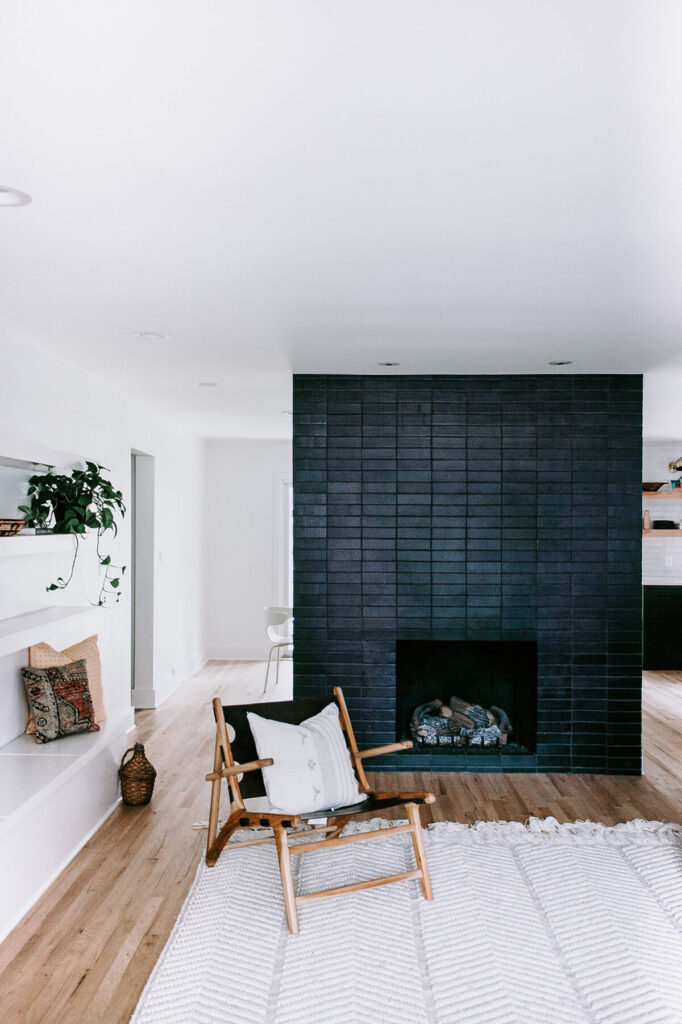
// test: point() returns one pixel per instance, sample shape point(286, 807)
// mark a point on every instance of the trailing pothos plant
point(73, 503)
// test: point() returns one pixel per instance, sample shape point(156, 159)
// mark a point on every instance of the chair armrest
point(427, 798)
point(249, 766)
point(391, 748)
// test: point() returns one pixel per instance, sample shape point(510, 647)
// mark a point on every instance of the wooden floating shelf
point(657, 495)
point(662, 533)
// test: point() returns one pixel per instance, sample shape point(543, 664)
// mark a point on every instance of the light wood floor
point(85, 950)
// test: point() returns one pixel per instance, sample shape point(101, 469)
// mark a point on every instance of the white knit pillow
point(312, 769)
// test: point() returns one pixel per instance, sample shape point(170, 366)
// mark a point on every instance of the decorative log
point(501, 719)
point(477, 716)
point(430, 725)
point(460, 723)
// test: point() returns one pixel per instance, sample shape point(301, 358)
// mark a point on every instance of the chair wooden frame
point(240, 818)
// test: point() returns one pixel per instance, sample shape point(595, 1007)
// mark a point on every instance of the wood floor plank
point(84, 951)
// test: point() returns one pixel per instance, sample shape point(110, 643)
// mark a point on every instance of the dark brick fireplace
point(474, 509)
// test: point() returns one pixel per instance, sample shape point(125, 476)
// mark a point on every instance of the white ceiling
point(316, 186)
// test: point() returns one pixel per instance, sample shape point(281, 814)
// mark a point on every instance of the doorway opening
point(285, 544)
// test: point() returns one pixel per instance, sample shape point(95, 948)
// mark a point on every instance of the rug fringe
point(551, 829)
point(534, 828)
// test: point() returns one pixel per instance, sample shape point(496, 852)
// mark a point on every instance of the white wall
point(662, 406)
point(47, 402)
point(243, 542)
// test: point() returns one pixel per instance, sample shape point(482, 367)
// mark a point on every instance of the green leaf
point(114, 583)
point(105, 561)
point(52, 586)
point(123, 569)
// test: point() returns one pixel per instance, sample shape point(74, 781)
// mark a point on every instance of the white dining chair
point(279, 625)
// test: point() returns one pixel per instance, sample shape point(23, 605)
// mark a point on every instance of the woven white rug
point(537, 924)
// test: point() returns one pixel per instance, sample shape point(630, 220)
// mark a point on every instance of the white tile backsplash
point(662, 559)
point(661, 556)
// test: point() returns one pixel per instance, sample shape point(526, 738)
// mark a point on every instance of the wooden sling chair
point(239, 757)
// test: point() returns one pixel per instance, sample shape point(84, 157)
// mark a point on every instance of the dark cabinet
point(662, 628)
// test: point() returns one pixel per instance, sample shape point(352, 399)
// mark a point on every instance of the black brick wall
point(473, 508)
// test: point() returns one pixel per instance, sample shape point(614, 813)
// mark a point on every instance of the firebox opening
point(467, 696)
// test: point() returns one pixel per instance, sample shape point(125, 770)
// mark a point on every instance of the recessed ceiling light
point(388, 364)
point(13, 197)
point(561, 362)
point(150, 335)
point(208, 384)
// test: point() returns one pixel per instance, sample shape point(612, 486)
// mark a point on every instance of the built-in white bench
point(53, 796)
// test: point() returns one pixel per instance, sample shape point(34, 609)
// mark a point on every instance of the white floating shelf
point(30, 544)
point(22, 631)
point(23, 453)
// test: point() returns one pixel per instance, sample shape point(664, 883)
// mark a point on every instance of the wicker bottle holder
point(137, 777)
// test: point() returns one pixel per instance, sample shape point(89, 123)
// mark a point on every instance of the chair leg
point(267, 671)
point(213, 814)
point(339, 826)
point(215, 797)
point(419, 849)
point(279, 651)
point(284, 857)
point(217, 847)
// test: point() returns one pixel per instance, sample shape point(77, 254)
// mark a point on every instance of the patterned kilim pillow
point(44, 656)
point(60, 700)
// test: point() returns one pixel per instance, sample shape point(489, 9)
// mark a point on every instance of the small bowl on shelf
point(11, 527)
point(653, 487)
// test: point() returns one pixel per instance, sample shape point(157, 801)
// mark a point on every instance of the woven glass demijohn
point(137, 776)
